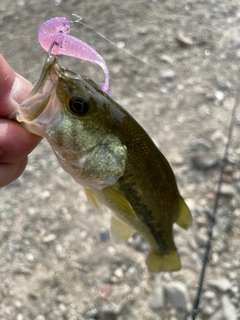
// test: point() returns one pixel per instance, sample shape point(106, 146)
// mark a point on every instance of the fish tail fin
point(184, 218)
point(157, 262)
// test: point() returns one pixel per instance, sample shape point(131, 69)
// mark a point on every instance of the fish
point(107, 151)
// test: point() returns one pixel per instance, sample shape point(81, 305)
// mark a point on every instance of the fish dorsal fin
point(93, 200)
point(119, 201)
point(120, 231)
point(184, 218)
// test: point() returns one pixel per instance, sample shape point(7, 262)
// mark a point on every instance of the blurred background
point(180, 82)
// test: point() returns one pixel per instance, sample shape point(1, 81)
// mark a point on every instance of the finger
point(15, 142)
point(13, 88)
point(11, 171)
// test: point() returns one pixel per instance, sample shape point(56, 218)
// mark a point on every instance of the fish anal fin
point(184, 218)
point(119, 201)
point(120, 232)
point(93, 200)
point(157, 262)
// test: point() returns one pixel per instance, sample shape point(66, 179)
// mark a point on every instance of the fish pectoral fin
point(120, 232)
point(184, 218)
point(158, 262)
point(93, 200)
point(119, 201)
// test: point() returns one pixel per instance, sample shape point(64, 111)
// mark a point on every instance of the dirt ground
point(56, 258)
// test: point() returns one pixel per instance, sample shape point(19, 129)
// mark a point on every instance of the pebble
point(139, 243)
point(219, 245)
point(229, 310)
point(184, 40)
point(168, 74)
point(205, 161)
point(49, 238)
point(201, 145)
point(104, 234)
point(119, 273)
point(223, 225)
point(219, 95)
point(221, 284)
point(218, 315)
point(40, 317)
point(177, 294)
point(227, 190)
point(157, 300)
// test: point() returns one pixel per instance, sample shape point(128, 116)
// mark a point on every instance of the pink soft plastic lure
point(57, 30)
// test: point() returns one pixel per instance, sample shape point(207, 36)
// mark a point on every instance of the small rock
point(191, 203)
point(178, 160)
point(208, 310)
point(219, 245)
point(236, 213)
point(30, 257)
point(40, 317)
point(138, 243)
point(49, 238)
point(201, 145)
point(177, 294)
point(201, 221)
point(218, 315)
point(119, 273)
point(227, 190)
point(218, 136)
point(222, 284)
point(157, 296)
point(167, 59)
point(45, 194)
point(32, 296)
point(183, 40)
point(219, 95)
point(227, 178)
point(168, 74)
point(104, 290)
point(223, 225)
point(205, 161)
point(229, 310)
point(92, 313)
point(202, 237)
point(228, 169)
point(22, 270)
point(104, 234)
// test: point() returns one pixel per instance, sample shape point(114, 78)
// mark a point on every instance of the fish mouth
point(36, 106)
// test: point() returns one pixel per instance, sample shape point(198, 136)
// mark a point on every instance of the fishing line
point(195, 309)
point(79, 20)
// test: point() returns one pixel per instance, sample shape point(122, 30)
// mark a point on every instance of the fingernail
point(20, 89)
point(16, 89)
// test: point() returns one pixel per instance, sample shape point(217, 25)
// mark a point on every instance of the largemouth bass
point(105, 150)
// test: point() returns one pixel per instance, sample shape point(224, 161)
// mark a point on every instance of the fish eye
point(78, 105)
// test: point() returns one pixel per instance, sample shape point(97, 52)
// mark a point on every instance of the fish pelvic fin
point(158, 262)
point(120, 232)
point(119, 201)
point(93, 200)
point(184, 218)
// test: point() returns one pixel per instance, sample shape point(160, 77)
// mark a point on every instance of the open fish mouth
point(41, 104)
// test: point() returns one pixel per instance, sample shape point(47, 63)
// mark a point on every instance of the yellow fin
point(119, 201)
point(93, 200)
point(184, 218)
point(120, 231)
point(157, 262)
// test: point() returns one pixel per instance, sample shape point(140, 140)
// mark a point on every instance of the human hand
point(15, 142)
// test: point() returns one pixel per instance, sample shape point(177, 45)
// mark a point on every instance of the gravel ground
point(56, 258)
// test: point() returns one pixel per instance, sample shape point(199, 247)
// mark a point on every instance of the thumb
point(13, 88)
